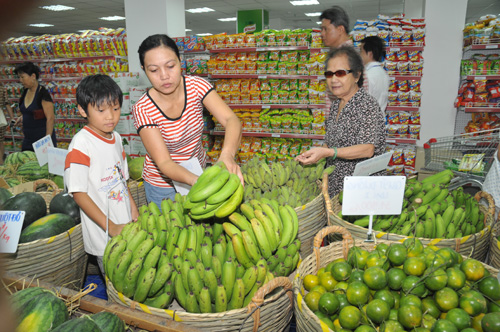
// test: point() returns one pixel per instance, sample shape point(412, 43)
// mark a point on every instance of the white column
point(149, 17)
point(414, 8)
point(445, 20)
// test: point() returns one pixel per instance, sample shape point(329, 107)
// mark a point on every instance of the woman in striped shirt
point(169, 119)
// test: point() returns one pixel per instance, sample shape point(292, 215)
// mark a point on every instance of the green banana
point(206, 254)
point(163, 273)
point(272, 237)
point(239, 250)
point(203, 208)
point(118, 273)
point(228, 276)
point(161, 301)
point(210, 188)
point(217, 266)
point(230, 229)
point(144, 284)
point(180, 291)
point(251, 247)
point(185, 267)
point(247, 211)
point(172, 238)
point(208, 175)
point(182, 240)
point(242, 223)
point(252, 292)
point(237, 295)
point(261, 236)
point(194, 281)
point(288, 227)
point(231, 204)
point(131, 276)
point(192, 303)
point(221, 299)
point(249, 278)
point(143, 248)
point(114, 254)
point(137, 240)
point(205, 301)
point(108, 247)
point(210, 281)
point(226, 191)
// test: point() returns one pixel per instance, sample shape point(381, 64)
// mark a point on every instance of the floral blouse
point(359, 122)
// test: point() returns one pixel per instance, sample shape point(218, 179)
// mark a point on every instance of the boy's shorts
point(157, 194)
point(2, 133)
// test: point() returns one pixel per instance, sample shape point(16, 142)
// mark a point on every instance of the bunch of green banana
point(431, 210)
point(265, 230)
point(216, 193)
point(288, 183)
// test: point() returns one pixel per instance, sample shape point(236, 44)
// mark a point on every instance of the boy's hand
point(115, 229)
point(135, 214)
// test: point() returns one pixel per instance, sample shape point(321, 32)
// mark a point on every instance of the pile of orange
point(405, 287)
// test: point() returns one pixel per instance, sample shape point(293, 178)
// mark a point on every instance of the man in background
point(335, 27)
point(372, 52)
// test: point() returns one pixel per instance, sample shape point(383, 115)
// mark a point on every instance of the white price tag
point(492, 46)
point(262, 77)
point(41, 149)
point(11, 224)
point(266, 106)
point(275, 135)
point(477, 78)
point(57, 157)
point(192, 165)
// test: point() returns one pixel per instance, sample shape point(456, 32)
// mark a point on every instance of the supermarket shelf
point(276, 135)
point(402, 108)
point(401, 140)
point(44, 79)
point(266, 106)
point(482, 47)
point(266, 76)
point(481, 109)
point(98, 57)
point(405, 77)
point(405, 48)
point(258, 49)
point(481, 77)
point(72, 119)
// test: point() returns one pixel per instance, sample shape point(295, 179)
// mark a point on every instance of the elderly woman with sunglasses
point(355, 128)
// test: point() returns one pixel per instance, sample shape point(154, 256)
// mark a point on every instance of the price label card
point(372, 165)
point(57, 158)
point(41, 149)
point(11, 224)
point(373, 195)
point(275, 135)
point(192, 165)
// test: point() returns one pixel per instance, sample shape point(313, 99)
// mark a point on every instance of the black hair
point(155, 41)
point(28, 68)
point(354, 59)
point(96, 90)
point(375, 45)
point(337, 16)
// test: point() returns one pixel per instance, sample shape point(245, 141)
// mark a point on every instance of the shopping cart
point(469, 155)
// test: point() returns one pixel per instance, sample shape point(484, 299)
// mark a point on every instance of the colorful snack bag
point(415, 67)
point(414, 56)
point(272, 67)
point(282, 68)
point(414, 131)
point(402, 55)
point(275, 84)
point(261, 67)
point(397, 156)
point(284, 85)
point(391, 67)
point(254, 84)
point(403, 130)
point(293, 84)
point(274, 55)
point(404, 118)
point(393, 86)
point(403, 85)
point(262, 56)
point(255, 97)
point(403, 96)
point(415, 97)
point(391, 55)
point(403, 67)
point(415, 118)
point(392, 98)
point(291, 68)
point(251, 67)
point(393, 118)
point(303, 56)
point(414, 85)
point(409, 156)
point(392, 130)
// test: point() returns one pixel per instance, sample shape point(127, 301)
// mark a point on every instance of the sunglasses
point(338, 73)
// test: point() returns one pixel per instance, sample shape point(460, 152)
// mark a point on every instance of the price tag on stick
point(373, 195)
point(41, 149)
point(11, 224)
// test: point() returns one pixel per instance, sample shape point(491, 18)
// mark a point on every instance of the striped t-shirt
point(181, 135)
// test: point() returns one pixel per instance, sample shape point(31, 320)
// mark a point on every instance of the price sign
point(192, 165)
point(57, 157)
point(11, 224)
point(41, 149)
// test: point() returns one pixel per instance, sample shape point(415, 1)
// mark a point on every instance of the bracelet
point(335, 153)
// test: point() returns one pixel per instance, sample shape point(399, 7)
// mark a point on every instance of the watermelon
point(19, 299)
point(40, 311)
point(59, 181)
point(5, 194)
point(108, 322)
point(80, 324)
point(32, 203)
point(135, 168)
point(32, 171)
point(50, 225)
point(64, 203)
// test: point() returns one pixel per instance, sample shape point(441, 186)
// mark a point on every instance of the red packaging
point(402, 55)
point(391, 56)
point(393, 86)
point(409, 157)
point(397, 157)
point(393, 118)
point(403, 85)
point(415, 118)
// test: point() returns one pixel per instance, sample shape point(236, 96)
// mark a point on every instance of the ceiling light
point(313, 14)
point(57, 8)
point(204, 34)
point(112, 18)
point(227, 19)
point(200, 10)
point(304, 2)
point(41, 25)
point(187, 30)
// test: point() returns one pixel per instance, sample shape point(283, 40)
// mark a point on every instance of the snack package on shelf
point(402, 124)
point(479, 93)
point(402, 161)
point(485, 30)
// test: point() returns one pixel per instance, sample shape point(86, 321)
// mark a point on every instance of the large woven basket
point(494, 258)
point(137, 191)
point(306, 319)
point(270, 310)
point(44, 187)
point(60, 260)
point(474, 245)
point(312, 218)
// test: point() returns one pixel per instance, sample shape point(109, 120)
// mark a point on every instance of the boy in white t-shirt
point(96, 169)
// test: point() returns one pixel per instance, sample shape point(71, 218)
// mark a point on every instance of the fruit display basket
point(322, 256)
point(494, 257)
point(137, 191)
point(475, 245)
point(60, 260)
point(44, 187)
point(312, 218)
point(269, 310)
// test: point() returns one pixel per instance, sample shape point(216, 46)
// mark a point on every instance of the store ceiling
point(281, 12)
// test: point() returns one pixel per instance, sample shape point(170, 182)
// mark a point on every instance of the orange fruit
point(427, 321)
point(378, 311)
point(429, 305)
point(494, 306)
point(321, 271)
point(395, 278)
point(476, 322)
point(443, 325)
point(432, 259)
point(375, 277)
point(446, 299)
point(319, 289)
point(491, 322)
point(341, 271)
point(310, 281)
point(325, 319)
point(357, 293)
point(357, 257)
point(491, 287)
point(391, 326)
point(449, 256)
point(328, 304)
point(385, 295)
point(350, 317)
point(459, 317)
point(312, 300)
point(436, 280)
point(376, 258)
point(396, 253)
point(410, 316)
point(382, 247)
point(393, 314)
point(473, 269)
point(414, 246)
point(341, 286)
point(410, 299)
point(356, 275)
point(365, 328)
point(326, 280)
point(413, 285)
point(473, 303)
point(456, 278)
point(414, 266)
point(397, 298)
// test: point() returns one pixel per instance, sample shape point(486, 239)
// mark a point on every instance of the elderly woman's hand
point(313, 155)
point(231, 166)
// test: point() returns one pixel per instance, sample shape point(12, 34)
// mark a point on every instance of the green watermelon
point(32, 203)
point(50, 225)
point(32, 171)
point(135, 168)
point(64, 203)
point(80, 324)
point(5, 194)
point(59, 181)
point(12, 182)
point(108, 322)
point(40, 311)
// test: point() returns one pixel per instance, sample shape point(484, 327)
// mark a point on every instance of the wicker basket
point(306, 319)
point(60, 260)
point(264, 313)
point(474, 245)
point(494, 258)
point(312, 218)
point(137, 191)
point(44, 187)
